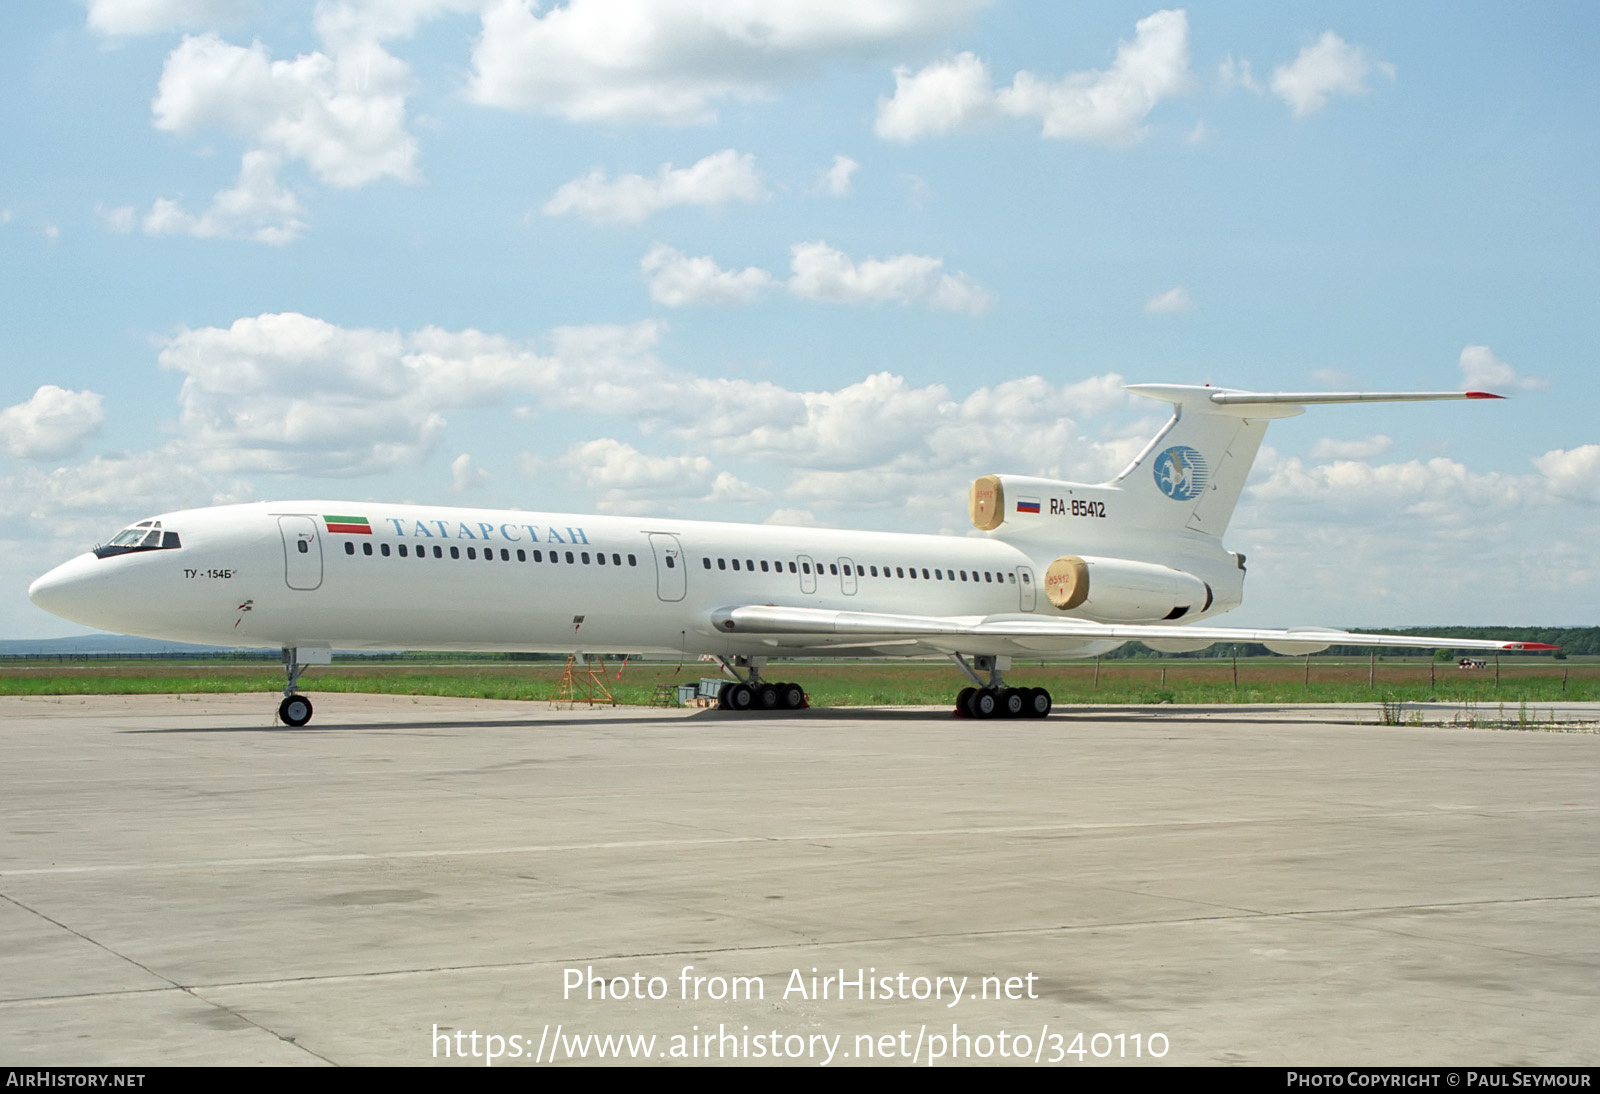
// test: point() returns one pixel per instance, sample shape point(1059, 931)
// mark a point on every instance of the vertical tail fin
point(1192, 473)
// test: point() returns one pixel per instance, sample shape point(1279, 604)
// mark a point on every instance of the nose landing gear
point(295, 710)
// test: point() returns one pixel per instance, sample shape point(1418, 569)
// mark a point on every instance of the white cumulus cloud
point(835, 180)
point(1330, 66)
point(54, 422)
point(465, 475)
point(672, 63)
point(1174, 301)
point(1573, 473)
point(127, 17)
point(1106, 106)
point(820, 272)
point(678, 280)
point(258, 208)
point(718, 179)
point(1481, 370)
point(343, 116)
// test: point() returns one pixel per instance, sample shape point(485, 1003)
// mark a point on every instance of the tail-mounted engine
point(1114, 590)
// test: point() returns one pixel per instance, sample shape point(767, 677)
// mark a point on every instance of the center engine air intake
point(1114, 590)
point(986, 503)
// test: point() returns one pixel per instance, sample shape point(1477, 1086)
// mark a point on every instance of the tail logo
point(1180, 472)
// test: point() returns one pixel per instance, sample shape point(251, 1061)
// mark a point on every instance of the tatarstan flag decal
point(355, 525)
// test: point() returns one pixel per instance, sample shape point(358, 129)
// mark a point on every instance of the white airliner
point(1063, 569)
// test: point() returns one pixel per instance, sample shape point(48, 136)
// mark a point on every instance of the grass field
point(878, 683)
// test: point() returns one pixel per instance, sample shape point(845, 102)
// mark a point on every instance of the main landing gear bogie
point(761, 697)
point(1003, 703)
point(995, 699)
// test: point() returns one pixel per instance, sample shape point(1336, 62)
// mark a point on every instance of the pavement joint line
point(820, 838)
point(837, 943)
point(186, 989)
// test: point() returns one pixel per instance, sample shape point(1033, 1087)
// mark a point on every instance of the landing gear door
point(302, 552)
point(672, 576)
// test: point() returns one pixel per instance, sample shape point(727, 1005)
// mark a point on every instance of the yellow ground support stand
point(583, 681)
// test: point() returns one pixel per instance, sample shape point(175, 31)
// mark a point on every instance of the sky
point(818, 263)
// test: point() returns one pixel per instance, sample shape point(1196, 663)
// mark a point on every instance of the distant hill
point(102, 644)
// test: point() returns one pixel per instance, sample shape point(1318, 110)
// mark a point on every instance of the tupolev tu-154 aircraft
point(1063, 569)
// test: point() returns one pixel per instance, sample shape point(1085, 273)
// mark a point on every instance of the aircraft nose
point(67, 590)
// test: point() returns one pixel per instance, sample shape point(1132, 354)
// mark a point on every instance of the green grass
point(886, 683)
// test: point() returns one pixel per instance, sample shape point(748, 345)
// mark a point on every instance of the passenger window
point(349, 548)
point(616, 559)
point(383, 549)
point(722, 564)
point(505, 555)
point(522, 556)
point(438, 551)
point(632, 561)
point(707, 561)
point(403, 552)
point(899, 571)
point(750, 564)
point(586, 558)
point(304, 547)
point(764, 566)
point(569, 558)
point(672, 563)
point(791, 567)
point(735, 564)
point(472, 553)
point(455, 552)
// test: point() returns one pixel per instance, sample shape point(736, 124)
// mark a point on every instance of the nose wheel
point(295, 710)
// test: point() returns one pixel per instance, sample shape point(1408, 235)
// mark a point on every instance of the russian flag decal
point(1027, 505)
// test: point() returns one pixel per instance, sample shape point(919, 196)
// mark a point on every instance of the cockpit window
point(147, 535)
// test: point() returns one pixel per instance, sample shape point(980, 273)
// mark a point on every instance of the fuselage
point(368, 576)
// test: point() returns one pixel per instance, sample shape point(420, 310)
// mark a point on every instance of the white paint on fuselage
point(229, 582)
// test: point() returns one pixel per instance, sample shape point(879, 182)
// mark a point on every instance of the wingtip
point(1483, 395)
point(1529, 646)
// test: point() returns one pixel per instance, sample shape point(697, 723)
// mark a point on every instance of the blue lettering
point(422, 530)
point(443, 531)
point(578, 536)
point(507, 535)
point(555, 537)
point(398, 529)
point(487, 530)
point(465, 533)
point(533, 532)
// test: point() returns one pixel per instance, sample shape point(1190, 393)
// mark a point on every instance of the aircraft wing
point(826, 628)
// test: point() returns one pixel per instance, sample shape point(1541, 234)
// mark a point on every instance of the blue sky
point(818, 263)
